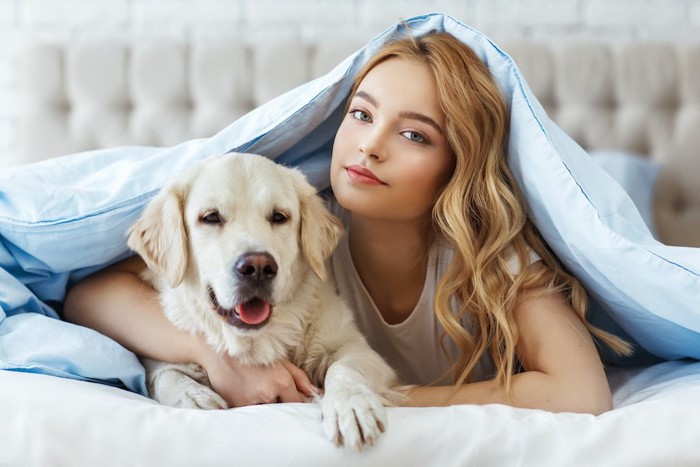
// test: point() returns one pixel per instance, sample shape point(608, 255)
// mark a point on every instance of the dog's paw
point(353, 416)
point(197, 396)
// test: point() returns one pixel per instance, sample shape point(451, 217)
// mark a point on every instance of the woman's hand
point(240, 385)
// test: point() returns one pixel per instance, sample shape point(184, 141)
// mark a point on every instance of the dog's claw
point(338, 439)
point(353, 417)
point(380, 425)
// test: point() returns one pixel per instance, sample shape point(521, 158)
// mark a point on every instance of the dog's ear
point(160, 235)
point(320, 230)
point(320, 233)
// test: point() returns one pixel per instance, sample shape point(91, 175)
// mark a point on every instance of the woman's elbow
point(601, 405)
point(595, 407)
point(576, 393)
point(77, 301)
point(98, 290)
point(593, 401)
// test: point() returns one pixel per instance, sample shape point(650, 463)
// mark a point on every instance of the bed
point(72, 397)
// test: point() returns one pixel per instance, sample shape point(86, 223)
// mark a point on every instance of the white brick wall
point(70, 13)
point(529, 13)
point(378, 14)
point(61, 20)
point(633, 13)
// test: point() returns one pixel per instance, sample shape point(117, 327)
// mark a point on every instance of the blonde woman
point(448, 278)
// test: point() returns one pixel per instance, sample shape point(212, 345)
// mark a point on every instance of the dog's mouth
point(253, 313)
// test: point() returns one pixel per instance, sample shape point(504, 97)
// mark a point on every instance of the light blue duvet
point(64, 218)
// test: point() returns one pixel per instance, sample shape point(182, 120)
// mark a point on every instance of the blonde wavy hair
point(481, 214)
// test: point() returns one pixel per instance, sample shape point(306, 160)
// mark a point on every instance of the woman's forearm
point(120, 305)
point(530, 389)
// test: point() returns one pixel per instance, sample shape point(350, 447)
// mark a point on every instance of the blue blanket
point(65, 218)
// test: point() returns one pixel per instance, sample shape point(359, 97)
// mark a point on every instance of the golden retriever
point(236, 248)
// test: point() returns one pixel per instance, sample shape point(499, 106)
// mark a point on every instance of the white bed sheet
point(50, 421)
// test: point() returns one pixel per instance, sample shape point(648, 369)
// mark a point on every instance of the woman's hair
point(481, 214)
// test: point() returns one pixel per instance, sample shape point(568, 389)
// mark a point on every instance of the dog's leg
point(353, 404)
point(180, 385)
point(357, 381)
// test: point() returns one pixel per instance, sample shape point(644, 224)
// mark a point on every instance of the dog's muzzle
point(254, 273)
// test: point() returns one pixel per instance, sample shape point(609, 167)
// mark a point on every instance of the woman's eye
point(279, 217)
point(361, 115)
point(415, 137)
point(211, 218)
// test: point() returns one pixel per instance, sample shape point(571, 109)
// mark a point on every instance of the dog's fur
point(195, 235)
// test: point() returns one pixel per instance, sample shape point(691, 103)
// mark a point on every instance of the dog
point(236, 247)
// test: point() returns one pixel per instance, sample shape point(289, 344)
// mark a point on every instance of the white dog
point(236, 248)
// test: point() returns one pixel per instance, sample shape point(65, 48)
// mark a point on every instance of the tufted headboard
point(158, 93)
point(642, 98)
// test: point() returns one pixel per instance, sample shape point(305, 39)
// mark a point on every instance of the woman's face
point(391, 156)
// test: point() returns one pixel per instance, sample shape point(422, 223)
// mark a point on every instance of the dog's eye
point(211, 218)
point(279, 217)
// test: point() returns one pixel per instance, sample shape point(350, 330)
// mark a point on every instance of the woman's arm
point(117, 303)
point(563, 372)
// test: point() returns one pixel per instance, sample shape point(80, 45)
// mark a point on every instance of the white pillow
point(636, 175)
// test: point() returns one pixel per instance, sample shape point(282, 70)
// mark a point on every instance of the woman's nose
point(373, 144)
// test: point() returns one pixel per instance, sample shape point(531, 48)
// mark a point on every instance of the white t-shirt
point(411, 347)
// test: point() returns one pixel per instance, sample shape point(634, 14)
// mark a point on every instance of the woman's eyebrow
point(406, 114)
point(363, 95)
point(422, 118)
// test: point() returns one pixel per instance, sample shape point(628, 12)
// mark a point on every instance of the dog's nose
point(256, 267)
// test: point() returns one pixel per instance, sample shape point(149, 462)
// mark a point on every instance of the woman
point(444, 271)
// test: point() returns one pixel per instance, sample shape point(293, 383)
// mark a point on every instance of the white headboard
point(159, 93)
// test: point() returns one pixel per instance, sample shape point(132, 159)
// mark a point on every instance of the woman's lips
point(360, 174)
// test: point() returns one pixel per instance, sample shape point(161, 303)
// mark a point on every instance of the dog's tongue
point(254, 311)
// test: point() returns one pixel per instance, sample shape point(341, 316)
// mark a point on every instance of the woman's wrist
point(200, 351)
point(209, 358)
